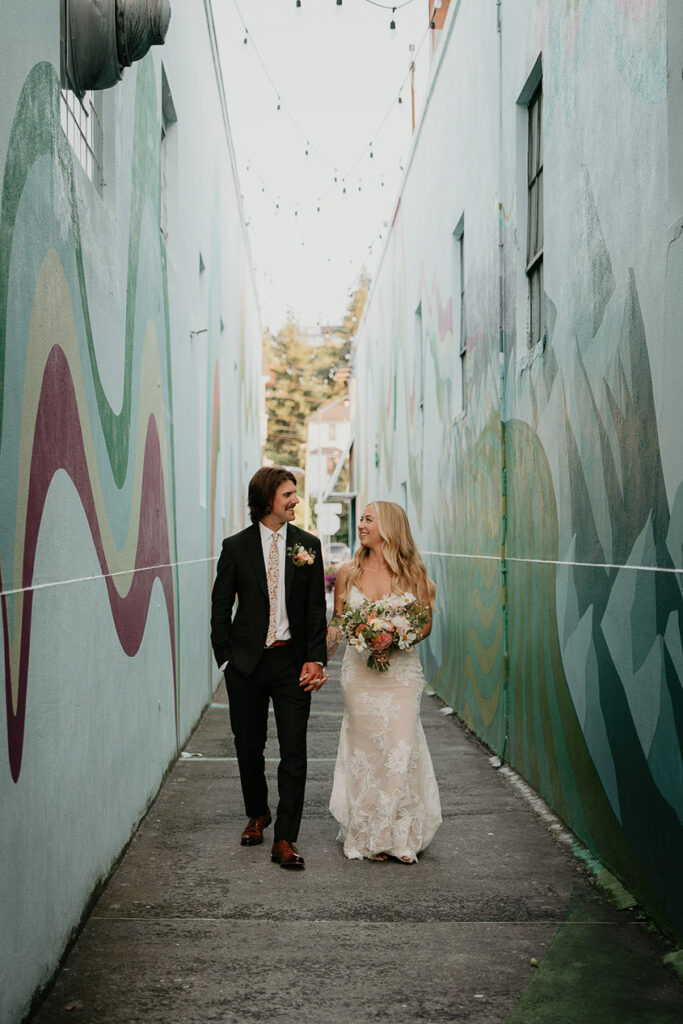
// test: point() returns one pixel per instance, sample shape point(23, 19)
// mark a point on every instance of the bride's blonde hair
point(407, 569)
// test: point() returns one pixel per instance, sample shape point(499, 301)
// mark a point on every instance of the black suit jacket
point(239, 638)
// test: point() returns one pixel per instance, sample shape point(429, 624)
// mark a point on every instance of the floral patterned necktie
point(272, 577)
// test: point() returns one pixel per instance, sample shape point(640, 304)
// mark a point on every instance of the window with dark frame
point(463, 321)
point(534, 258)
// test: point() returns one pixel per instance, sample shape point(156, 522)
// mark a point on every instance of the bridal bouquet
point(379, 626)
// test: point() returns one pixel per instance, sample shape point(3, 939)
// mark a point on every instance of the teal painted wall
point(129, 419)
point(549, 504)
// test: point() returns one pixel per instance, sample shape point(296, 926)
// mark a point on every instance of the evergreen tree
point(304, 376)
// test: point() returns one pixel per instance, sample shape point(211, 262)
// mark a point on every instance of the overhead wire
point(341, 177)
point(363, 154)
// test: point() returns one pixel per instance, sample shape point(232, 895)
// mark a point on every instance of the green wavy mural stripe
point(465, 662)
point(532, 535)
point(36, 132)
point(542, 712)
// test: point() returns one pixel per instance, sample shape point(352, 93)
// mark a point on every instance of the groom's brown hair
point(262, 487)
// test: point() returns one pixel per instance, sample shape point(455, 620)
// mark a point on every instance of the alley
point(194, 928)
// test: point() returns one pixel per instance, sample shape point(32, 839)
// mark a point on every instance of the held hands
point(312, 676)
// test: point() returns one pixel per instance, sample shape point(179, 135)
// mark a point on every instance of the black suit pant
point(276, 678)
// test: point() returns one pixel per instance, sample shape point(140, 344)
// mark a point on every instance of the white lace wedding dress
point(384, 796)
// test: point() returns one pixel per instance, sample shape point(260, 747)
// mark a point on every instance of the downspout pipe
point(502, 389)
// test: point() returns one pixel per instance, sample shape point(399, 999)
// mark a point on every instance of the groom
point(272, 647)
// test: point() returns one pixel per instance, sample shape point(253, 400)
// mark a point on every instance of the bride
point(384, 794)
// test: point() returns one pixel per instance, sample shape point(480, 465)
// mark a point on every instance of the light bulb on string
point(400, 98)
point(392, 23)
point(298, 6)
point(371, 153)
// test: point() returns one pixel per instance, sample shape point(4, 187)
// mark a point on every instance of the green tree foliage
point(304, 374)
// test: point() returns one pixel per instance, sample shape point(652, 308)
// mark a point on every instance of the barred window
point(81, 121)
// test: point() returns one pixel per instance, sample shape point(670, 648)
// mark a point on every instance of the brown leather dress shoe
point(253, 833)
point(286, 855)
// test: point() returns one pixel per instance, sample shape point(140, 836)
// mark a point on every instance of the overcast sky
point(336, 72)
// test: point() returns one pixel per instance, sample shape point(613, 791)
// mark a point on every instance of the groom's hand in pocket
point(312, 676)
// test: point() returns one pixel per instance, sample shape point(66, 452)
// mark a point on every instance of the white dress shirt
point(282, 624)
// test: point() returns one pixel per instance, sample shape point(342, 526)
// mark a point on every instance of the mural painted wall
point(545, 482)
point(129, 417)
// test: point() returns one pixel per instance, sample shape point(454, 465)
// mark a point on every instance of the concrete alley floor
point(194, 928)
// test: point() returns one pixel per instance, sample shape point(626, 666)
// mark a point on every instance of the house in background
point(328, 440)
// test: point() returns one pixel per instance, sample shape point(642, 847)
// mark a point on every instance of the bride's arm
point(425, 630)
point(334, 633)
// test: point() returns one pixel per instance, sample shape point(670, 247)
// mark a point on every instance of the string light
point(399, 98)
point(349, 178)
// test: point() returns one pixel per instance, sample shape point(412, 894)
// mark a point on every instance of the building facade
point(328, 436)
point(518, 373)
point(130, 362)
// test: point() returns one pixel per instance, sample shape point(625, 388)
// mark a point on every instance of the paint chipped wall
point(130, 383)
point(570, 662)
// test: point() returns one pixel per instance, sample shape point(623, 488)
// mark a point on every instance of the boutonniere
point(299, 555)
